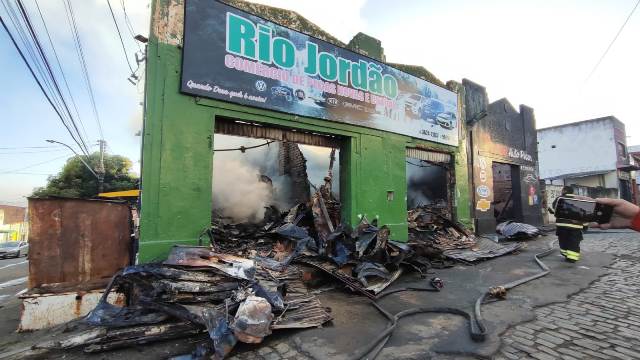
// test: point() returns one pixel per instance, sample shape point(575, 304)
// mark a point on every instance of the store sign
point(234, 56)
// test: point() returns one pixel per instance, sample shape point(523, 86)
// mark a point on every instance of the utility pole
point(100, 170)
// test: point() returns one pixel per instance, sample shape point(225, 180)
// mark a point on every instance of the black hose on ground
point(477, 329)
point(501, 290)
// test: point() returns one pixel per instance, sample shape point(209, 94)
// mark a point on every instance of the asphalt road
point(13, 278)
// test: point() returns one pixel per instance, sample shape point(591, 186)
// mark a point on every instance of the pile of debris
point(197, 290)
point(431, 231)
point(512, 230)
point(248, 280)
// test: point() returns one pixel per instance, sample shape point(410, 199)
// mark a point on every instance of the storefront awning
point(117, 194)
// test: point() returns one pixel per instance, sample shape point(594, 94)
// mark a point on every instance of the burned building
point(291, 162)
point(295, 84)
point(503, 159)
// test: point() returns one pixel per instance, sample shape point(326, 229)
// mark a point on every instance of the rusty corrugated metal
point(237, 128)
point(432, 156)
point(74, 241)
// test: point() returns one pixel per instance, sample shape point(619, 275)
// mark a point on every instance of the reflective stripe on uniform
point(573, 226)
point(572, 255)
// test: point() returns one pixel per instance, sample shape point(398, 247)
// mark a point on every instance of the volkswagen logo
point(261, 85)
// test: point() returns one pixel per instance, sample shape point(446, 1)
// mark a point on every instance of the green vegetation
point(76, 181)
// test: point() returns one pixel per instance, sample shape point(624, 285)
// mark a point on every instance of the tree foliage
point(75, 180)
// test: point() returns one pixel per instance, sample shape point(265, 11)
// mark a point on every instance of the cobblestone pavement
point(600, 322)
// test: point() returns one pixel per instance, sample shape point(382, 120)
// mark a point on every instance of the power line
point(64, 77)
point(24, 173)
point(83, 64)
point(33, 165)
point(124, 49)
point(45, 81)
point(32, 152)
point(29, 147)
point(44, 92)
point(36, 40)
point(612, 41)
point(15, 20)
point(127, 22)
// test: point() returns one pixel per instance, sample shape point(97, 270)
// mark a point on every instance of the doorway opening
point(506, 192)
point(262, 175)
point(429, 181)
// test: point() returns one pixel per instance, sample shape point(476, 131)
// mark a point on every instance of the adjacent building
point(634, 156)
point(589, 155)
point(503, 160)
point(13, 223)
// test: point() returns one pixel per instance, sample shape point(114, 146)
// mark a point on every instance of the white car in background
point(14, 249)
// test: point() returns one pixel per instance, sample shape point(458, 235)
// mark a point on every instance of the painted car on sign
point(447, 120)
point(282, 92)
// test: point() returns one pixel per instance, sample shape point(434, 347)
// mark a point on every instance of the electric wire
point(29, 147)
point(44, 92)
point(46, 82)
point(15, 20)
point(64, 77)
point(243, 148)
point(124, 49)
point(83, 64)
point(32, 152)
point(127, 22)
point(34, 165)
point(38, 45)
point(612, 41)
point(25, 173)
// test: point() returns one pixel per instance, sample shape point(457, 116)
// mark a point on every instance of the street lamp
point(100, 179)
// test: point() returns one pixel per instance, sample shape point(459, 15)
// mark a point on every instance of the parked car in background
point(14, 249)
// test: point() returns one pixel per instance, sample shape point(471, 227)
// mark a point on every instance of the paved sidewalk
point(601, 322)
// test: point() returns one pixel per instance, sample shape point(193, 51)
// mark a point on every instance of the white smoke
point(237, 190)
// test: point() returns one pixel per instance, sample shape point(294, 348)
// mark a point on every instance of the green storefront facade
point(177, 160)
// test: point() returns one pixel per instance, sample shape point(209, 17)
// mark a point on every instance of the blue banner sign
point(234, 56)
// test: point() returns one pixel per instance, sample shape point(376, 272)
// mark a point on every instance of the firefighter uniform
point(569, 234)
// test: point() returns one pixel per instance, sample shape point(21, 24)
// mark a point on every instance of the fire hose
point(477, 329)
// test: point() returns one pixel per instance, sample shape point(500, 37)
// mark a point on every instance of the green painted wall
point(177, 157)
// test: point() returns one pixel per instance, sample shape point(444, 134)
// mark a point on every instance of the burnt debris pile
point(432, 231)
point(198, 291)
point(512, 230)
point(250, 279)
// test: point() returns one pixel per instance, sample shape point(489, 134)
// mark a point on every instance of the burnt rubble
point(250, 279)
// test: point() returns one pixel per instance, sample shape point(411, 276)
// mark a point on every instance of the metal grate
point(431, 156)
point(255, 130)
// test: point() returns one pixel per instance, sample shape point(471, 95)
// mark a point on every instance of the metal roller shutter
point(255, 130)
point(431, 156)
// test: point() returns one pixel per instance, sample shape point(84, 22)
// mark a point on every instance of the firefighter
point(569, 232)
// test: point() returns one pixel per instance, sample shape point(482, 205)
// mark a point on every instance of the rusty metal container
point(78, 243)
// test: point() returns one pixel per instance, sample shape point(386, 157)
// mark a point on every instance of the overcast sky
point(537, 52)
